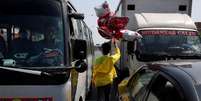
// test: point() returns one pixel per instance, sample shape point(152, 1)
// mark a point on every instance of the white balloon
point(130, 35)
point(100, 11)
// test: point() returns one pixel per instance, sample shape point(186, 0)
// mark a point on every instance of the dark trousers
point(114, 90)
point(103, 93)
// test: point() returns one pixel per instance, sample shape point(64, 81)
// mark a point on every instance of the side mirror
point(80, 66)
point(79, 49)
point(122, 73)
point(76, 15)
point(131, 47)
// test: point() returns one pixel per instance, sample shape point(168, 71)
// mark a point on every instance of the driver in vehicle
point(21, 39)
point(2, 45)
point(50, 37)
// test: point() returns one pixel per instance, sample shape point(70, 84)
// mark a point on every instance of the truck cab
point(165, 37)
point(163, 24)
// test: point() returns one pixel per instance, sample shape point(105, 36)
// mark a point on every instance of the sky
point(87, 7)
point(196, 13)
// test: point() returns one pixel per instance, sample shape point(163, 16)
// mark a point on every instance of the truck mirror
point(76, 15)
point(131, 47)
point(79, 49)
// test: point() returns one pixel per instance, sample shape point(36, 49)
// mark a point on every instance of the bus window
point(80, 29)
point(36, 37)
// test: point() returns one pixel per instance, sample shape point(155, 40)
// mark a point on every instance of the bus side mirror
point(79, 49)
point(76, 15)
point(81, 66)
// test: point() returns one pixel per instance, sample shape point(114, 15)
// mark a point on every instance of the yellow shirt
point(104, 71)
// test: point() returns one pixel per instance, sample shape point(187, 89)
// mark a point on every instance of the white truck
point(129, 7)
point(166, 27)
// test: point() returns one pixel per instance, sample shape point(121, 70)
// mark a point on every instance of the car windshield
point(31, 33)
point(169, 43)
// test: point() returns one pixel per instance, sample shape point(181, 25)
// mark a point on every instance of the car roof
point(194, 70)
point(187, 68)
point(186, 74)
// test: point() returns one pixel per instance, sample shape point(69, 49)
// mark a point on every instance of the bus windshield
point(169, 43)
point(31, 33)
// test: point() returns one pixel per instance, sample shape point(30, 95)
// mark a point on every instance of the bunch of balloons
point(110, 25)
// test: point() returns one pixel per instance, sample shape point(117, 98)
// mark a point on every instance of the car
point(163, 81)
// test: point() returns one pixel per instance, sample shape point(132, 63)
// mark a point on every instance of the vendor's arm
point(117, 55)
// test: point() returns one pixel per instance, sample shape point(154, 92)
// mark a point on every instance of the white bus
point(46, 51)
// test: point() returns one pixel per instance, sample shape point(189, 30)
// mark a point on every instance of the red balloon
point(110, 26)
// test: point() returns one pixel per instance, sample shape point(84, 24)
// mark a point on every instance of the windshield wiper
point(155, 56)
point(26, 76)
point(193, 56)
point(28, 71)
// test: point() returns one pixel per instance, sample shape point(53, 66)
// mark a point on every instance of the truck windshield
point(169, 43)
point(31, 33)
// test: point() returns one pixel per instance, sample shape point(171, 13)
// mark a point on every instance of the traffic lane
point(98, 53)
point(93, 95)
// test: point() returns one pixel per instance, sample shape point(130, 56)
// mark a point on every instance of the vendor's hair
point(106, 47)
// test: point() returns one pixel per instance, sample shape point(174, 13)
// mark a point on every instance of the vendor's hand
point(114, 41)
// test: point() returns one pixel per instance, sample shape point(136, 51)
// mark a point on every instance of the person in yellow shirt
point(104, 71)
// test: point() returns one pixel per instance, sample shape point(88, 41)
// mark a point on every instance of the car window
point(138, 83)
point(164, 90)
